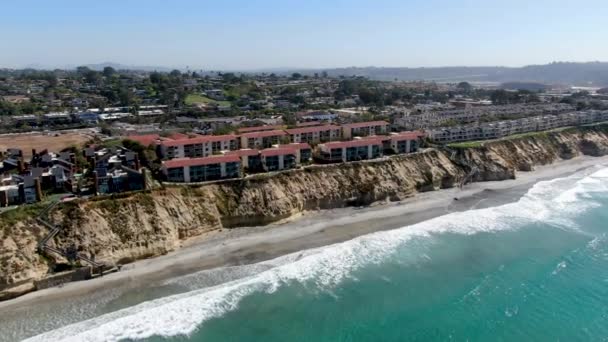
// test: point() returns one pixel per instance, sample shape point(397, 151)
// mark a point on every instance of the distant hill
point(117, 66)
point(532, 86)
point(588, 74)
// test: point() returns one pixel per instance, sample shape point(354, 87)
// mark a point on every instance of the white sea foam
point(552, 202)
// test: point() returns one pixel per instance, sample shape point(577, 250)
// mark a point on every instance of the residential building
point(404, 142)
point(250, 159)
point(260, 140)
point(303, 152)
point(345, 151)
point(187, 170)
point(277, 159)
point(197, 147)
point(314, 134)
point(364, 129)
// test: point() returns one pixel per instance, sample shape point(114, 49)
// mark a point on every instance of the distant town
point(137, 130)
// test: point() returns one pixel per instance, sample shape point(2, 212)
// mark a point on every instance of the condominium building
point(277, 159)
point(260, 140)
point(186, 170)
point(364, 129)
point(197, 147)
point(345, 151)
point(314, 134)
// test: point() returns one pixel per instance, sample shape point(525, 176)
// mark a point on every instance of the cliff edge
point(121, 229)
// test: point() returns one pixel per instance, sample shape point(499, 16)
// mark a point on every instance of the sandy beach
point(231, 247)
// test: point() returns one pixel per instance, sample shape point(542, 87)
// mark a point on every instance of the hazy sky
point(247, 34)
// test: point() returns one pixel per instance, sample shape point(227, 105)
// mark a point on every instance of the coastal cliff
point(118, 230)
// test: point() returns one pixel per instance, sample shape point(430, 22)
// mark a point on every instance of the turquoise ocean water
point(533, 270)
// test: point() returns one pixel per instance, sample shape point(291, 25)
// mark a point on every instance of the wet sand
point(242, 246)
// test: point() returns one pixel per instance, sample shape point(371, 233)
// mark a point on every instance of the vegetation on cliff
point(121, 229)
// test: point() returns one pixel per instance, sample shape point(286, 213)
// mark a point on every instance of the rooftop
point(270, 152)
point(365, 124)
point(264, 134)
point(201, 139)
point(258, 128)
point(312, 129)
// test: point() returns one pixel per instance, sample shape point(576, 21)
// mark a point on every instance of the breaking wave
point(555, 202)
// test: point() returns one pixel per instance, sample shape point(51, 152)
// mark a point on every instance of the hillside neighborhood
point(150, 128)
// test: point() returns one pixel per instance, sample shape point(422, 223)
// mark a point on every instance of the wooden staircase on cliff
point(43, 246)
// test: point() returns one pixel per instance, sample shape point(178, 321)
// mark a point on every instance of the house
point(186, 170)
point(265, 139)
point(277, 159)
point(9, 195)
point(30, 120)
point(119, 179)
point(364, 129)
point(314, 134)
point(345, 151)
point(199, 146)
point(56, 118)
point(88, 117)
point(216, 94)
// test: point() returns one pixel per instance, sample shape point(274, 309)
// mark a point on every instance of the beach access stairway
point(53, 231)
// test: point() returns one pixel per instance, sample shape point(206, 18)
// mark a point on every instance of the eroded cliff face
point(120, 230)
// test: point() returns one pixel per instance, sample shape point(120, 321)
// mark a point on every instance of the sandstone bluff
point(121, 230)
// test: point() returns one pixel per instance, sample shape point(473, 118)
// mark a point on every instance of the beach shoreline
point(241, 246)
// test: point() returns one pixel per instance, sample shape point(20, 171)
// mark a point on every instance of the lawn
point(193, 99)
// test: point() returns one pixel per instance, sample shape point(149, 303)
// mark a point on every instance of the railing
point(53, 231)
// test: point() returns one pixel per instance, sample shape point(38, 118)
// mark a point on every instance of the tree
point(464, 86)
point(603, 91)
point(175, 73)
point(109, 71)
point(92, 76)
point(82, 70)
point(296, 76)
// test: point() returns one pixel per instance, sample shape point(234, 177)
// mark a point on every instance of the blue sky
point(251, 34)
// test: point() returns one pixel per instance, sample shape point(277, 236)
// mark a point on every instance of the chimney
point(3, 199)
point(95, 183)
point(137, 166)
point(143, 177)
point(22, 193)
point(93, 162)
point(38, 189)
point(21, 166)
point(34, 155)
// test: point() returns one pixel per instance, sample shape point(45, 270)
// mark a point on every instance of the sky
point(265, 34)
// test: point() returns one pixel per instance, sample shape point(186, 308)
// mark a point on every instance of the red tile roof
point(312, 129)
point(354, 143)
point(270, 152)
point(258, 129)
point(178, 136)
point(183, 162)
point(264, 134)
point(407, 135)
point(365, 124)
point(146, 140)
point(299, 146)
point(244, 152)
point(308, 124)
point(201, 139)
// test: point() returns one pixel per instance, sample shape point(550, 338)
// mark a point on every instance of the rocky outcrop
point(117, 230)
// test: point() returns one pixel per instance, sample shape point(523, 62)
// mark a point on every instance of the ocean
point(535, 269)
